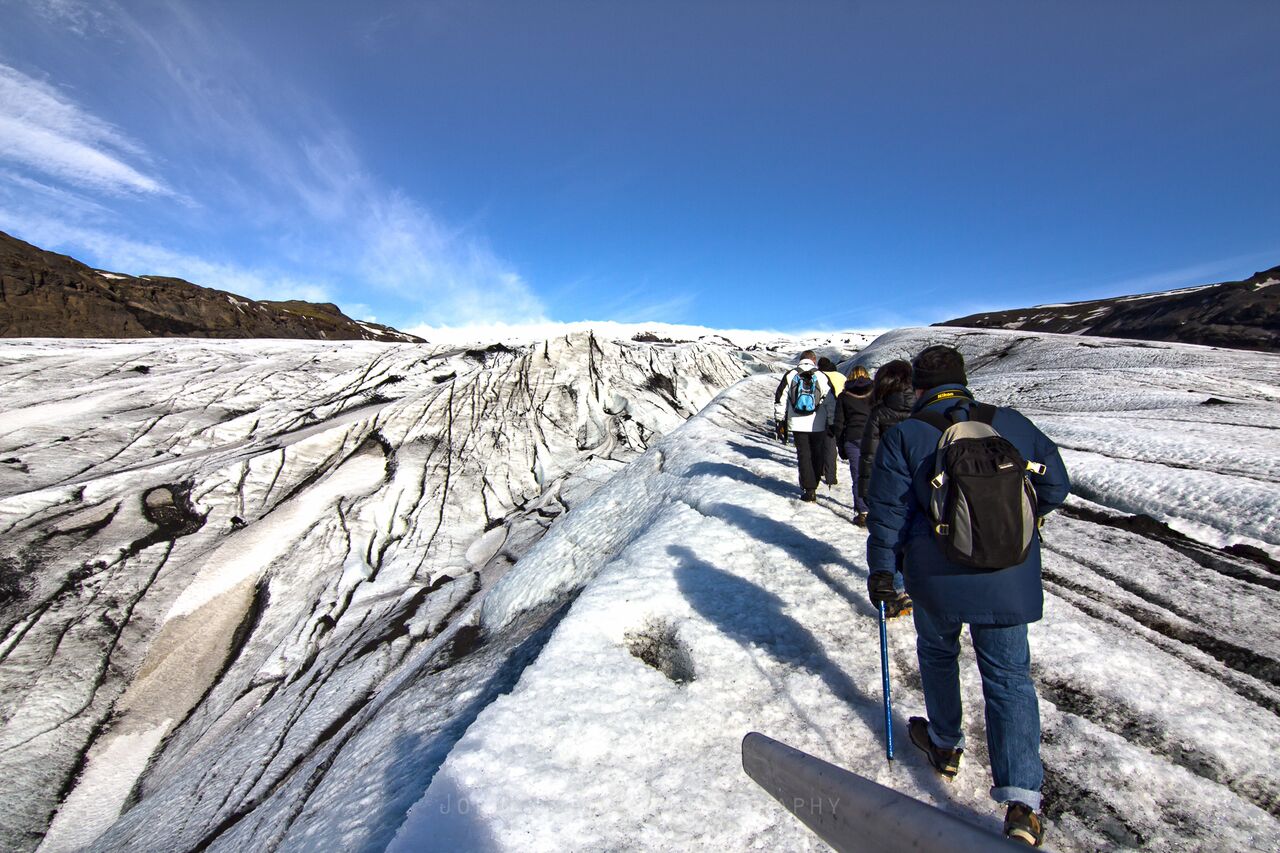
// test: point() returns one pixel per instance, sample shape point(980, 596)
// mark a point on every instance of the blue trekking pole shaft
point(884, 672)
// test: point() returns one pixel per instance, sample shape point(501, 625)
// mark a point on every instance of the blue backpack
point(806, 394)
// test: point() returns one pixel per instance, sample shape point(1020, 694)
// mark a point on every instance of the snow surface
point(1182, 433)
point(1135, 298)
point(304, 595)
point(1142, 296)
point(226, 547)
point(1155, 660)
point(102, 791)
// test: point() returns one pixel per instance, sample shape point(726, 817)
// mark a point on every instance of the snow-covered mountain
point(298, 596)
point(1240, 314)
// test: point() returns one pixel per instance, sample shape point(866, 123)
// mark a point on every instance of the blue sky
point(736, 164)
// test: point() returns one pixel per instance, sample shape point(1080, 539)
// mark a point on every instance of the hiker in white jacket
point(805, 406)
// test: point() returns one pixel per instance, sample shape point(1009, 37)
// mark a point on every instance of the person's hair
point(825, 363)
point(891, 377)
point(939, 365)
point(809, 354)
point(858, 372)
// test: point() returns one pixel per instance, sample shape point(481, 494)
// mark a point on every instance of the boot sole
point(1024, 836)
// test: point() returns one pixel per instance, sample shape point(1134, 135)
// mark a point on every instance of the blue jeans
point(854, 451)
point(1012, 709)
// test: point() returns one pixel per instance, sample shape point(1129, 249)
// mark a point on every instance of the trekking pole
point(888, 701)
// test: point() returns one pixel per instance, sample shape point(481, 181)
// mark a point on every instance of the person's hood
point(806, 366)
point(903, 401)
point(860, 386)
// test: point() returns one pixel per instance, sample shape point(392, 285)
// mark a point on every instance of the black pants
point(829, 468)
point(811, 457)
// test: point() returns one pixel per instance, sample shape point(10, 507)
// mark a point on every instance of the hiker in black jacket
point(852, 408)
point(891, 403)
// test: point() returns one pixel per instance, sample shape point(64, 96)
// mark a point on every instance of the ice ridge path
point(238, 579)
point(705, 601)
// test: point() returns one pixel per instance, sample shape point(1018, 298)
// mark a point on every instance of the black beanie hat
point(938, 365)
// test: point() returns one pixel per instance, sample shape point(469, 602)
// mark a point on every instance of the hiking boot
point(860, 519)
point(1021, 823)
point(900, 606)
point(809, 495)
point(945, 761)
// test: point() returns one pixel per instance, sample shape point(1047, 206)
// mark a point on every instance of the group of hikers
point(848, 416)
point(952, 492)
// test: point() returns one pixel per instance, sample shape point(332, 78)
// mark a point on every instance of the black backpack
point(982, 503)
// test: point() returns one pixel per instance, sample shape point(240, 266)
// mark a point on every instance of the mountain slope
point(1236, 314)
point(43, 294)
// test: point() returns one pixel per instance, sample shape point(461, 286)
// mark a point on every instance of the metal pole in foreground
point(888, 701)
point(854, 814)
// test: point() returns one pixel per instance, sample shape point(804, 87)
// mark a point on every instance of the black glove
point(781, 431)
point(840, 450)
point(831, 431)
point(880, 588)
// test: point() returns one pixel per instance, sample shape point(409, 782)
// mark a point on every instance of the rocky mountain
point(1236, 314)
point(47, 295)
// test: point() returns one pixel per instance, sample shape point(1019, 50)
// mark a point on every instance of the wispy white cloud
point(655, 310)
point(602, 295)
point(273, 157)
point(42, 129)
point(448, 276)
point(360, 311)
point(76, 15)
point(880, 317)
point(135, 257)
point(1207, 272)
point(952, 303)
point(17, 189)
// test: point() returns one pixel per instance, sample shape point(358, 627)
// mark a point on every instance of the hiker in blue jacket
point(997, 605)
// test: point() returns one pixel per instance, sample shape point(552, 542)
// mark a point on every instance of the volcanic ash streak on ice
point(248, 553)
point(191, 650)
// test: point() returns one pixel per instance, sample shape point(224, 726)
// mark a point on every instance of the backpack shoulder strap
point(933, 419)
point(983, 413)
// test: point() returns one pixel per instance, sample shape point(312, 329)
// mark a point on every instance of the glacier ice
point(300, 595)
